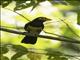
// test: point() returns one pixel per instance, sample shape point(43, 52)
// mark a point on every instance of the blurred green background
point(44, 49)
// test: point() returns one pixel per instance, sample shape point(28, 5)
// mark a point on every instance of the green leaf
point(78, 17)
point(17, 55)
point(5, 3)
point(52, 53)
point(34, 56)
point(23, 5)
point(3, 49)
point(19, 48)
point(60, 58)
point(20, 51)
point(4, 58)
point(73, 2)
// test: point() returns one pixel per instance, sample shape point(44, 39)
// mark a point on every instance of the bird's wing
point(25, 27)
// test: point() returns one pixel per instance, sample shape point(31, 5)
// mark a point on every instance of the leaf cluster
point(29, 3)
point(21, 50)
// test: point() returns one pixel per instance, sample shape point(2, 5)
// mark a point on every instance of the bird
point(34, 27)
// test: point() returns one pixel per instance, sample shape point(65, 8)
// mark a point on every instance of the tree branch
point(42, 36)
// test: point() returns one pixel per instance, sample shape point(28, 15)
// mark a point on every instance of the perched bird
point(34, 27)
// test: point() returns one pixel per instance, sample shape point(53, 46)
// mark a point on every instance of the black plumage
point(34, 27)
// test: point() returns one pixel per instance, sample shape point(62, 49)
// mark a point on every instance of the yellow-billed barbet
point(34, 27)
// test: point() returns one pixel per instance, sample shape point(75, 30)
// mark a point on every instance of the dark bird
point(34, 27)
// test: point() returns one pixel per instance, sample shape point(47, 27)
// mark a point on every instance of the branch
point(42, 36)
point(18, 14)
point(69, 27)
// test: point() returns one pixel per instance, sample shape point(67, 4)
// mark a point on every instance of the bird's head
point(42, 19)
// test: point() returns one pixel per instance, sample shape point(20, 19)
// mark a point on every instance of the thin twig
point(69, 28)
point(59, 35)
point(42, 36)
point(18, 14)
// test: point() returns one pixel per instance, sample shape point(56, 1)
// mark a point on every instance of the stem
point(70, 28)
point(42, 36)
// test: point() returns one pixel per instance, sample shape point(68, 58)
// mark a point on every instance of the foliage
point(33, 54)
point(3, 50)
point(28, 3)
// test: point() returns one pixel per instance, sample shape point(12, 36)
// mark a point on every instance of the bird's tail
point(29, 40)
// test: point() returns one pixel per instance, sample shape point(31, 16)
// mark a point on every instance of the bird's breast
point(34, 30)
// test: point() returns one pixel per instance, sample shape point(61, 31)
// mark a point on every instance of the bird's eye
point(40, 18)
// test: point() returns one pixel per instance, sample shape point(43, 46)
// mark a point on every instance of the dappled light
point(59, 40)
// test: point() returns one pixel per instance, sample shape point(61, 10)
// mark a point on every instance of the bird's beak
point(48, 19)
